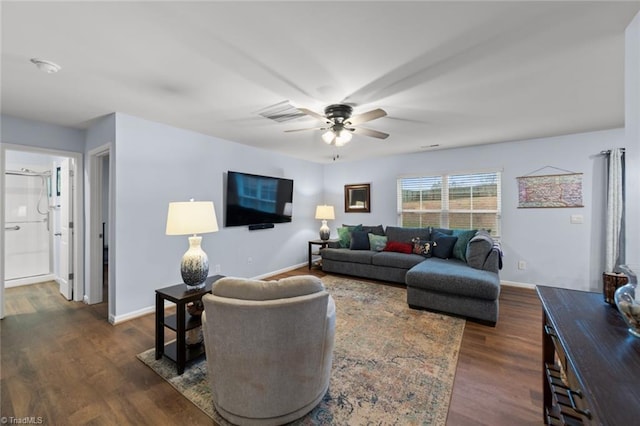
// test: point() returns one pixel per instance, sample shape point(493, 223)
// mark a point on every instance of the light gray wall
point(101, 131)
point(156, 164)
point(20, 131)
point(557, 253)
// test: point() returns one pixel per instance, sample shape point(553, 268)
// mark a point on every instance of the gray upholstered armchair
point(269, 347)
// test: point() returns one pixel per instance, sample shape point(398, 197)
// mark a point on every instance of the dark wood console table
point(591, 364)
point(180, 322)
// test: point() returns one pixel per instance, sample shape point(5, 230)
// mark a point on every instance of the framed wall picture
point(357, 198)
point(547, 191)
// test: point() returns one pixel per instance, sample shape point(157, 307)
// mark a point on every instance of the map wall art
point(549, 191)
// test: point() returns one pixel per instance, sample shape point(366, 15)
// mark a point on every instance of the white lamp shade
point(325, 212)
point(191, 217)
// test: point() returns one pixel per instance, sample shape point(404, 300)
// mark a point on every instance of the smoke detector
point(46, 66)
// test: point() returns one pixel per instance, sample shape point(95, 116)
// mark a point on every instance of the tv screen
point(255, 199)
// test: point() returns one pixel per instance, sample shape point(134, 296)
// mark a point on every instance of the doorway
point(40, 210)
point(101, 242)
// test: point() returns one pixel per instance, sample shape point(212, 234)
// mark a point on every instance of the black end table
point(322, 244)
point(177, 350)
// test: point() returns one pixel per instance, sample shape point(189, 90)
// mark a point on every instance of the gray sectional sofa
point(465, 284)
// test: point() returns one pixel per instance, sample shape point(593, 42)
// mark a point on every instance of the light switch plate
point(577, 218)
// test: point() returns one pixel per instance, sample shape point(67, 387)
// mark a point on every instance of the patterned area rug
point(392, 364)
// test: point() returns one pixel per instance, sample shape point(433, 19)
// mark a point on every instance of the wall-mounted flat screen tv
point(255, 199)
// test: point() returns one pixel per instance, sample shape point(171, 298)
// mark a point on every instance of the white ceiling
point(447, 73)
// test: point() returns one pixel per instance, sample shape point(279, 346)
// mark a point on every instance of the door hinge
point(70, 225)
point(71, 276)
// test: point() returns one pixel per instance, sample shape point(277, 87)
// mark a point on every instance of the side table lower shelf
point(191, 352)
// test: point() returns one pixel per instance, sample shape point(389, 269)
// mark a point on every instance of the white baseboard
point(517, 284)
point(280, 271)
point(118, 319)
point(17, 282)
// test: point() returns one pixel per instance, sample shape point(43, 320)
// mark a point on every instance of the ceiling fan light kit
point(341, 125)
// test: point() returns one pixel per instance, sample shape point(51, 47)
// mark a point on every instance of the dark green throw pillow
point(460, 248)
point(344, 235)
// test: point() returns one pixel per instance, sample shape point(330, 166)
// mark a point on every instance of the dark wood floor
point(62, 361)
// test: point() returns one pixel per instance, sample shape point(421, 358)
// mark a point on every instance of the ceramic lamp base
point(195, 265)
point(325, 232)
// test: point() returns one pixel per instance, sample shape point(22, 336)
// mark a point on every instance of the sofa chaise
point(458, 275)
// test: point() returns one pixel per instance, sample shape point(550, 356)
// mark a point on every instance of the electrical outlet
point(217, 269)
point(249, 260)
point(522, 265)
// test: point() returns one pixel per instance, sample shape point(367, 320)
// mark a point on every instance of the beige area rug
point(392, 364)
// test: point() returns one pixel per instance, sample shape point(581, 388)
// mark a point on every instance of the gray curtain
point(614, 233)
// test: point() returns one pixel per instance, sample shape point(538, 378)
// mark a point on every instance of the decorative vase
point(194, 267)
point(628, 301)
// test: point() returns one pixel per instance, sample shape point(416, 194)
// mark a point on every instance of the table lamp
point(325, 213)
point(191, 218)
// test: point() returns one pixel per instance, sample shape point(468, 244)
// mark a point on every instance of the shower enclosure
point(27, 227)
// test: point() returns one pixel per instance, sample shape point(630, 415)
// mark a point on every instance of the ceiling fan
point(340, 125)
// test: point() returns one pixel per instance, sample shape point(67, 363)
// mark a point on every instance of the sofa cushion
point(377, 242)
point(359, 240)
point(464, 236)
point(344, 235)
point(443, 245)
point(376, 230)
point(478, 249)
point(346, 255)
point(396, 260)
point(248, 289)
point(405, 235)
point(455, 277)
point(398, 247)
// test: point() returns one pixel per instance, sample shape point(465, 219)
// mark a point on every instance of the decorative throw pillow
point(423, 248)
point(464, 236)
point(344, 235)
point(359, 240)
point(443, 247)
point(398, 247)
point(377, 242)
point(427, 248)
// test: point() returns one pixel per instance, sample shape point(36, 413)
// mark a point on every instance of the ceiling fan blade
point(367, 116)
point(302, 130)
point(370, 132)
point(315, 115)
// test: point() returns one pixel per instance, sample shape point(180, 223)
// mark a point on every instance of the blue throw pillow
point(359, 240)
point(443, 247)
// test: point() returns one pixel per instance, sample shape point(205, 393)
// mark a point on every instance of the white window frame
point(445, 211)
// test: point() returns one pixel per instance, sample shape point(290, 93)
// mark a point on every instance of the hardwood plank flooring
point(62, 361)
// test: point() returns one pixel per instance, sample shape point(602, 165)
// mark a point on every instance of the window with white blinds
point(460, 201)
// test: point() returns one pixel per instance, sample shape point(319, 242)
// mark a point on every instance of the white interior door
point(65, 201)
